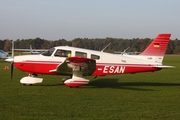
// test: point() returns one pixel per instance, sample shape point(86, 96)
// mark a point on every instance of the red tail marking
point(158, 45)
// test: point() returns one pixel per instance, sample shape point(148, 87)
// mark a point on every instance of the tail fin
point(156, 50)
point(158, 46)
point(31, 50)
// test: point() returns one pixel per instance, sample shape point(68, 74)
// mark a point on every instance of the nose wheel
point(74, 86)
point(27, 84)
point(30, 80)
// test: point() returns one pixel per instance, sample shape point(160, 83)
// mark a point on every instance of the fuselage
point(106, 63)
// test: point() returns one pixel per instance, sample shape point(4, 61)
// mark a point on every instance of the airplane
point(32, 51)
point(3, 54)
point(76, 63)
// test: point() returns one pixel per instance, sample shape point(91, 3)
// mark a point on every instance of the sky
point(70, 19)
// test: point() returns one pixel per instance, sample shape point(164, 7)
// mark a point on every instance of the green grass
point(140, 96)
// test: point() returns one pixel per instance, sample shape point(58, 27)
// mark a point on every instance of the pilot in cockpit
point(63, 54)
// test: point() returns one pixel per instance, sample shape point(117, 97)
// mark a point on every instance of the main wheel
point(74, 86)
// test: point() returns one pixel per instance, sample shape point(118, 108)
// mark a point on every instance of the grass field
point(141, 96)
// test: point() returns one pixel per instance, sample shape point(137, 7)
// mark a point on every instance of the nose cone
point(10, 59)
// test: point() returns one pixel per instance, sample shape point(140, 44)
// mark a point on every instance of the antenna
point(125, 50)
point(105, 47)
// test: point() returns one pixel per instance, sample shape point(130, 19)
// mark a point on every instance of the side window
point(82, 54)
point(96, 57)
point(62, 53)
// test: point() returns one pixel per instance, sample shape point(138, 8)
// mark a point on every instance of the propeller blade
point(12, 60)
point(12, 68)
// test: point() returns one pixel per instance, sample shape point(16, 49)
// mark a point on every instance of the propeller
point(11, 60)
point(12, 68)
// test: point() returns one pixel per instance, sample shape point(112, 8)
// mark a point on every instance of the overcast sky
point(69, 19)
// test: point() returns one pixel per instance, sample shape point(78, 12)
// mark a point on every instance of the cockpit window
point(48, 52)
point(62, 53)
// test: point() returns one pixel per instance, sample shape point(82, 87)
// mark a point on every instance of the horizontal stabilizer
point(164, 66)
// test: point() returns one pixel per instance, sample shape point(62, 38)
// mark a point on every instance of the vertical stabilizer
point(158, 46)
point(31, 50)
point(156, 50)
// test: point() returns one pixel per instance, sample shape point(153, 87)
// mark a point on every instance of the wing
point(78, 66)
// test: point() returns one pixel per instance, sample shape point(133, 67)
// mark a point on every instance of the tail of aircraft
point(31, 50)
point(156, 50)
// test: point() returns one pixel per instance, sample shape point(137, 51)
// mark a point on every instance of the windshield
point(48, 52)
point(2, 51)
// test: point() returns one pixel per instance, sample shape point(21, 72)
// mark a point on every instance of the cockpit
point(57, 53)
point(60, 52)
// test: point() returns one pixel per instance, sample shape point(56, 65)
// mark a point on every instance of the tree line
point(117, 44)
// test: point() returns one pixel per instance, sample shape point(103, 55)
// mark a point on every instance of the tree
point(7, 45)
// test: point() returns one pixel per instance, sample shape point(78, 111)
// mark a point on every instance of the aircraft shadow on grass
point(113, 83)
point(60, 84)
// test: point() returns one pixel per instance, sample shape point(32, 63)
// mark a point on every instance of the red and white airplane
point(77, 63)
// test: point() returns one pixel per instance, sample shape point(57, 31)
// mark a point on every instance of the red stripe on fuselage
point(102, 70)
point(44, 67)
